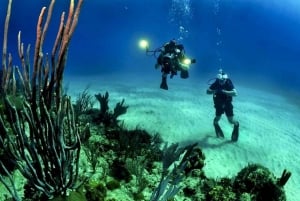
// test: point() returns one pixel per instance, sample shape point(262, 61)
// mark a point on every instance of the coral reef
point(84, 103)
point(105, 116)
point(259, 182)
point(254, 182)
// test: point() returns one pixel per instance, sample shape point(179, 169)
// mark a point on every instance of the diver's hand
point(218, 91)
point(230, 93)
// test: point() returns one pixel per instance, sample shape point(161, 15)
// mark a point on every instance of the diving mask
point(221, 75)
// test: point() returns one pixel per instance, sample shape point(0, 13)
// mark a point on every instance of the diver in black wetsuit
point(223, 91)
point(171, 59)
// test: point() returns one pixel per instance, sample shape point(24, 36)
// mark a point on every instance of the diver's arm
point(232, 92)
point(210, 91)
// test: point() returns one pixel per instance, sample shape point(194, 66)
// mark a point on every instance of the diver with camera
point(223, 90)
point(171, 59)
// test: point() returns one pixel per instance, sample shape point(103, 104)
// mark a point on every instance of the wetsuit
point(222, 102)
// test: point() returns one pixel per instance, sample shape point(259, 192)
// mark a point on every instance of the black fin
point(219, 131)
point(235, 133)
point(163, 84)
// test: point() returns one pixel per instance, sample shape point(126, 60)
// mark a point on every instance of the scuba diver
point(223, 91)
point(171, 59)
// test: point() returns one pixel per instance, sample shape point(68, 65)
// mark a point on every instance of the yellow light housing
point(143, 44)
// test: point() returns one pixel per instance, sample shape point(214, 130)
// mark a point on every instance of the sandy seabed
point(269, 123)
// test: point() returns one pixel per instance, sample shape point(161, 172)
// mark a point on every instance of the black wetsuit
point(171, 65)
point(222, 102)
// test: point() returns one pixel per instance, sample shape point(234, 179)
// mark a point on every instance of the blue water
point(257, 42)
point(248, 38)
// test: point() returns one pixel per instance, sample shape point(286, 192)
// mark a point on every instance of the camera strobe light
point(144, 44)
point(187, 61)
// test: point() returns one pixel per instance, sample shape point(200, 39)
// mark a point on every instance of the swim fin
point(163, 84)
point(218, 131)
point(235, 133)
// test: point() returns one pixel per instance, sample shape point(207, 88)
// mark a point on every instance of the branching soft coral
point(106, 117)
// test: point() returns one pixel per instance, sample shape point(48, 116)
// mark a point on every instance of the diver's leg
point(218, 130)
point(232, 121)
point(235, 131)
point(229, 114)
point(163, 84)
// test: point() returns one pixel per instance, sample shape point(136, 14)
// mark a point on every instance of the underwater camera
point(185, 65)
point(188, 61)
point(184, 74)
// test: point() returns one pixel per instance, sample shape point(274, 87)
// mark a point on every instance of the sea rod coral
point(37, 121)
